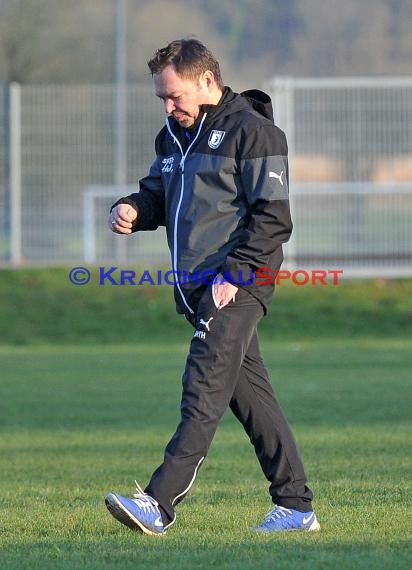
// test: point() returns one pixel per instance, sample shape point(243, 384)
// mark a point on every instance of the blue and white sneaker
point(140, 513)
point(281, 519)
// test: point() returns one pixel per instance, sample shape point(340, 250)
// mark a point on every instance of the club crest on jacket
point(215, 138)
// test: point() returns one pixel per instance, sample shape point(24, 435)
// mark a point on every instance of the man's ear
point(209, 80)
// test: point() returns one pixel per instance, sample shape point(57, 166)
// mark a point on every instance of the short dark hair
point(189, 57)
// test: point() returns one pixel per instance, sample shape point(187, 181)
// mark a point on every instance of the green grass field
point(89, 396)
point(79, 421)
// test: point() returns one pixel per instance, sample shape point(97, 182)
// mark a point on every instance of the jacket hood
point(260, 102)
point(233, 102)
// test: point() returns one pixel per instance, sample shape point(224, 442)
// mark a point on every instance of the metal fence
point(351, 173)
point(66, 136)
point(350, 145)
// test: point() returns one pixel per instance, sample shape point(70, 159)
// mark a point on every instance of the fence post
point(282, 92)
point(120, 126)
point(89, 241)
point(290, 133)
point(15, 174)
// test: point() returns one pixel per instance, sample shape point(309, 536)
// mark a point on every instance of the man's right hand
point(121, 219)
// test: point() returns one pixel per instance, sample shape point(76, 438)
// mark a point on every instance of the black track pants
point(224, 368)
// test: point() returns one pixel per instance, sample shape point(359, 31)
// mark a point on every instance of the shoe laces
point(145, 501)
point(277, 513)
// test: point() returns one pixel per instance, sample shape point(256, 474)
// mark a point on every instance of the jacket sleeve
point(149, 201)
point(265, 180)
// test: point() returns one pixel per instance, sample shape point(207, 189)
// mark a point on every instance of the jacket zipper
point(182, 188)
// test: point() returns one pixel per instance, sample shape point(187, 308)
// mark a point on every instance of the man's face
point(182, 97)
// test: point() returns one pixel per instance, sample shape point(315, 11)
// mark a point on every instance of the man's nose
point(169, 106)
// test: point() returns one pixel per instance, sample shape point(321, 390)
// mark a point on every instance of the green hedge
point(43, 306)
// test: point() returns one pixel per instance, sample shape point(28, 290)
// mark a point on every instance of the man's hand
point(121, 219)
point(223, 291)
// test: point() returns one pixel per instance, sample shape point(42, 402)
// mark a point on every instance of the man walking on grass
point(219, 184)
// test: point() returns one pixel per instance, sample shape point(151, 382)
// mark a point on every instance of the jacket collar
point(229, 103)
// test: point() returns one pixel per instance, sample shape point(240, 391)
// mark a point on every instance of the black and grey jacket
point(222, 195)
